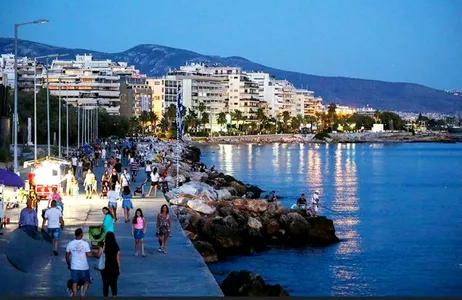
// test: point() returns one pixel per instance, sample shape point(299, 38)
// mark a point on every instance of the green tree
point(237, 115)
point(204, 119)
point(153, 119)
point(143, 119)
point(221, 119)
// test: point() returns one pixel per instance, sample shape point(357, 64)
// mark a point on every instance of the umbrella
point(9, 178)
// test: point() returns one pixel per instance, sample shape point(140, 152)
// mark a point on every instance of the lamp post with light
point(15, 112)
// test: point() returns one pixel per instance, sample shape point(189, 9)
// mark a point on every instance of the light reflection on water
point(383, 230)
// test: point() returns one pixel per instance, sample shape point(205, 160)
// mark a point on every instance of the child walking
point(139, 226)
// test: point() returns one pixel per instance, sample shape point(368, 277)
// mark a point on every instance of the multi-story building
point(88, 82)
point(164, 93)
point(307, 104)
point(25, 72)
point(135, 96)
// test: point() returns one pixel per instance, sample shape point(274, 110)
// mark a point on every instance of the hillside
point(156, 60)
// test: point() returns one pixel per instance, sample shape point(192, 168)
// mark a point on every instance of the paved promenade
point(180, 272)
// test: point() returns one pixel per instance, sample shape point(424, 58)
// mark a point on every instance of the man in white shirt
point(315, 202)
point(103, 154)
point(112, 197)
point(74, 163)
point(77, 252)
point(125, 178)
point(55, 223)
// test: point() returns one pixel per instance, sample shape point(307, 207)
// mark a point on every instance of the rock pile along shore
point(220, 222)
point(366, 137)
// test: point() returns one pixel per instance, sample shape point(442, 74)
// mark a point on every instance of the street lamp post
point(15, 110)
point(59, 117)
point(78, 125)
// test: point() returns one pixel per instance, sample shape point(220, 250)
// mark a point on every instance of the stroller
point(164, 186)
point(140, 189)
point(96, 235)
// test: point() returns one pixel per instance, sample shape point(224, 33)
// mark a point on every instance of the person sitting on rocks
point(301, 202)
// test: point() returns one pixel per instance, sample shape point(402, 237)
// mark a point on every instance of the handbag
point(102, 260)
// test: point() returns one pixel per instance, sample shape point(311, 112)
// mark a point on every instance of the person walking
point(114, 178)
point(77, 252)
point(164, 224)
point(79, 171)
point(74, 161)
point(68, 178)
point(154, 182)
point(55, 223)
point(148, 169)
point(89, 183)
point(127, 202)
point(110, 273)
point(108, 221)
point(28, 218)
point(125, 178)
point(56, 197)
point(139, 226)
point(112, 197)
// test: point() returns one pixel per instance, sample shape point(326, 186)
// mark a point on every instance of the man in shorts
point(55, 220)
point(77, 252)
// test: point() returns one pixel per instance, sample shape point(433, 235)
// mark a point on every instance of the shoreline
point(359, 138)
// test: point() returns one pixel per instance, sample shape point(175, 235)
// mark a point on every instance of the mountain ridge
point(156, 60)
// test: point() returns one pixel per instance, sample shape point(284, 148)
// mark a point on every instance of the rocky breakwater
point(220, 222)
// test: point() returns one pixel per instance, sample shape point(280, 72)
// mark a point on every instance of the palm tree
point(286, 120)
point(260, 117)
point(143, 118)
point(153, 118)
point(204, 120)
point(331, 114)
point(237, 117)
point(221, 119)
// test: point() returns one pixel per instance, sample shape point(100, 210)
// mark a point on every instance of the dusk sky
point(417, 41)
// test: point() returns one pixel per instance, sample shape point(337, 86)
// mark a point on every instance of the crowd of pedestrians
point(114, 186)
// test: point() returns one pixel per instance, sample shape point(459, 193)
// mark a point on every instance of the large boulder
point(249, 284)
point(201, 207)
point(296, 226)
point(223, 194)
point(192, 153)
point(196, 188)
point(322, 231)
point(207, 251)
point(257, 206)
point(240, 188)
point(182, 199)
point(240, 203)
point(255, 190)
point(198, 176)
point(254, 223)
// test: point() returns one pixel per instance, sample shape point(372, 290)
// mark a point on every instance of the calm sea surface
point(398, 212)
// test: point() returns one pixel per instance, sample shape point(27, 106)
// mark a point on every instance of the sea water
point(397, 209)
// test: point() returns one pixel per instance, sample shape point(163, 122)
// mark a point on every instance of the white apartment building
point(25, 72)
point(88, 82)
point(307, 104)
point(241, 93)
point(135, 96)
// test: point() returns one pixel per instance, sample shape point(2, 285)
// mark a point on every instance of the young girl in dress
point(75, 188)
point(139, 226)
